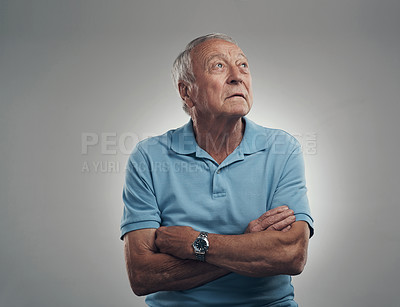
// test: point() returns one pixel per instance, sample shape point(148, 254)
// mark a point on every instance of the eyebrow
point(223, 56)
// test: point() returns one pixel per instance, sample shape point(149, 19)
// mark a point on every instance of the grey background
point(330, 69)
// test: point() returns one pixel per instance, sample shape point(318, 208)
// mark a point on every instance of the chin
point(237, 107)
point(239, 112)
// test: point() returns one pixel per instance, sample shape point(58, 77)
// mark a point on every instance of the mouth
point(236, 95)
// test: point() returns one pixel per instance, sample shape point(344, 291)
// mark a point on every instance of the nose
point(235, 76)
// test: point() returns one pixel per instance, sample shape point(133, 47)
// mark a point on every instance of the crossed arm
point(162, 259)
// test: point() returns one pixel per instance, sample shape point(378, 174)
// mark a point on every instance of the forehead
point(215, 48)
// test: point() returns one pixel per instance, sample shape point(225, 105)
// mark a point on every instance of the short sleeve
point(291, 189)
point(140, 204)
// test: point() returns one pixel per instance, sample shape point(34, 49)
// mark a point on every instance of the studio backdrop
point(81, 82)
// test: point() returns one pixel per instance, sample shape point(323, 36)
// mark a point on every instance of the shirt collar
point(183, 140)
point(255, 139)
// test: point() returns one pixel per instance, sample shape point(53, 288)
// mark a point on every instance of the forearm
point(153, 271)
point(273, 244)
point(261, 253)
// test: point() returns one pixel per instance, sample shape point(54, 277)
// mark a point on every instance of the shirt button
point(218, 171)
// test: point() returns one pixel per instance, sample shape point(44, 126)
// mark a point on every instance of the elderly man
point(216, 212)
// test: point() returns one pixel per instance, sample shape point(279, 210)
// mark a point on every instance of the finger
point(267, 219)
point(271, 220)
point(272, 212)
point(286, 228)
point(283, 223)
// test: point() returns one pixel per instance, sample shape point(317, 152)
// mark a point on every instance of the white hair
point(182, 69)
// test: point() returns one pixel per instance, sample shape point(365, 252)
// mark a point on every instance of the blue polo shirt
point(170, 180)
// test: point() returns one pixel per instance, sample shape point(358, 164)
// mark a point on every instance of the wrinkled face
point(223, 80)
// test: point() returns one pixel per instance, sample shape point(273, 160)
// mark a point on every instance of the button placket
point(218, 184)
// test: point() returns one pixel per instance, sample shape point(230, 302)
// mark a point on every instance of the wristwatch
point(201, 245)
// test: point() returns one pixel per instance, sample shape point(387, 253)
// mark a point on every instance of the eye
point(244, 65)
point(219, 65)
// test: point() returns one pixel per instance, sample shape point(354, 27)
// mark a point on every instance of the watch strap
point(203, 234)
point(200, 257)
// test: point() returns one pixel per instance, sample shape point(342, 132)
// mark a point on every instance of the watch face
point(200, 244)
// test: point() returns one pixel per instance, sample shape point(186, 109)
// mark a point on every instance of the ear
point(185, 91)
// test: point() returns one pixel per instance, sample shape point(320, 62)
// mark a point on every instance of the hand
point(278, 219)
point(176, 241)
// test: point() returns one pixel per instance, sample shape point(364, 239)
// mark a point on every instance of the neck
point(219, 137)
